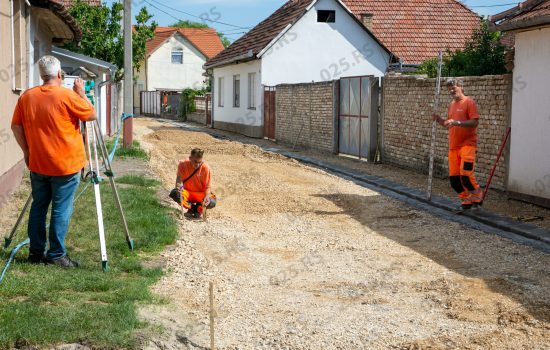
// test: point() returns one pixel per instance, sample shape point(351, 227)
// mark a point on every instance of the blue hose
point(12, 255)
point(124, 117)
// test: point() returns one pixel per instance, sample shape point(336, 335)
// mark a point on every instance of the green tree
point(102, 33)
point(191, 24)
point(483, 55)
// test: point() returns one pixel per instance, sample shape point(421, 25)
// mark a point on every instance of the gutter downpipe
point(98, 87)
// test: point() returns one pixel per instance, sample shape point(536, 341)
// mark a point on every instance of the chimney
point(366, 18)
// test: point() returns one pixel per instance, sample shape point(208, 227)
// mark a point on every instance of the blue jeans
point(58, 190)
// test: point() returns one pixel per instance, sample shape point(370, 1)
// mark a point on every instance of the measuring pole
point(128, 75)
point(434, 124)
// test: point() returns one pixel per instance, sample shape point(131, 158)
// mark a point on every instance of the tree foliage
point(483, 55)
point(103, 36)
point(192, 24)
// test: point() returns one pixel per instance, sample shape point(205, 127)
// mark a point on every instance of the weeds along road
point(302, 259)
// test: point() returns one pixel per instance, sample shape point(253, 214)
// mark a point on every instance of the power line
point(230, 32)
point(192, 15)
point(510, 4)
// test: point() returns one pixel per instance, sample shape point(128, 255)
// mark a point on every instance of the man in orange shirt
point(193, 180)
point(462, 122)
point(46, 126)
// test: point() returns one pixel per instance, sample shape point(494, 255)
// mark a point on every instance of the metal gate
point(358, 117)
point(161, 104)
point(269, 112)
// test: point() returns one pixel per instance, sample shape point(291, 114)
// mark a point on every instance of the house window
point(18, 23)
point(251, 90)
point(220, 92)
point(177, 56)
point(326, 16)
point(236, 91)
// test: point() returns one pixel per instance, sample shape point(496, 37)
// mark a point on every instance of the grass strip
point(44, 305)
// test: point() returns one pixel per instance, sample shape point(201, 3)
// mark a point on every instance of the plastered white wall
point(530, 139)
point(242, 114)
point(314, 52)
point(163, 74)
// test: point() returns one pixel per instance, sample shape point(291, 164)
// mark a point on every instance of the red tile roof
point(262, 34)
point(529, 13)
point(415, 30)
point(206, 40)
point(68, 3)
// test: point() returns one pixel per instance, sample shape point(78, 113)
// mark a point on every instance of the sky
point(235, 17)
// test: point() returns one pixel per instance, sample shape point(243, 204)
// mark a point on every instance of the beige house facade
point(27, 31)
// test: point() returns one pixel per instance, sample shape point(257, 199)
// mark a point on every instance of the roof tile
point(414, 30)
point(206, 40)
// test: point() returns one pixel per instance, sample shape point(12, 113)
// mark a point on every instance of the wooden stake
point(211, 288)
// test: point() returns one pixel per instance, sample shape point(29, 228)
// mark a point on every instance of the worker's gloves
point(175, 194)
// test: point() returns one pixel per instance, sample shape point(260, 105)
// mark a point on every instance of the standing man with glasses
point(46, 126)
point(462, 121)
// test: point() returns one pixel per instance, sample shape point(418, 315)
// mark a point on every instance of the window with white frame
point(251, 90)
point(177, 56)
point(236, 91)
point(18, 22)
point(220, 92)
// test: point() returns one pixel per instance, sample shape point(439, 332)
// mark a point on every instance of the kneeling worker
point(193, 182)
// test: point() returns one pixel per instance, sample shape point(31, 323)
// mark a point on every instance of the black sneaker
point(36, 258)
point(65, 262)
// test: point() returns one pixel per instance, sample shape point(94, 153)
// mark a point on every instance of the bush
point(188, 101)
point(483, 55)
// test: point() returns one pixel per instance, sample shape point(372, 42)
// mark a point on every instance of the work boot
point(36, 258)
point(477, 205)
point(189, 214)
point(462, 208)
point(64, 262)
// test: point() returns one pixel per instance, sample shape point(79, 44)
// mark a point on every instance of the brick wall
point(407, 106)
point(304, 114)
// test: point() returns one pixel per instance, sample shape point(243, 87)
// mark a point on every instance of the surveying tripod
point(94, 140)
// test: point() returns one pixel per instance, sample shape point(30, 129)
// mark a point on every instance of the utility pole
point(128, 74)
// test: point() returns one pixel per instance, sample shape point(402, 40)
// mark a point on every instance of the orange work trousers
point(461, 174)
point(189, 198)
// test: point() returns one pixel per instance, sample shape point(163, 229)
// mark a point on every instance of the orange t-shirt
point(462, 110)
point(200, 182)
point(50, 118)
